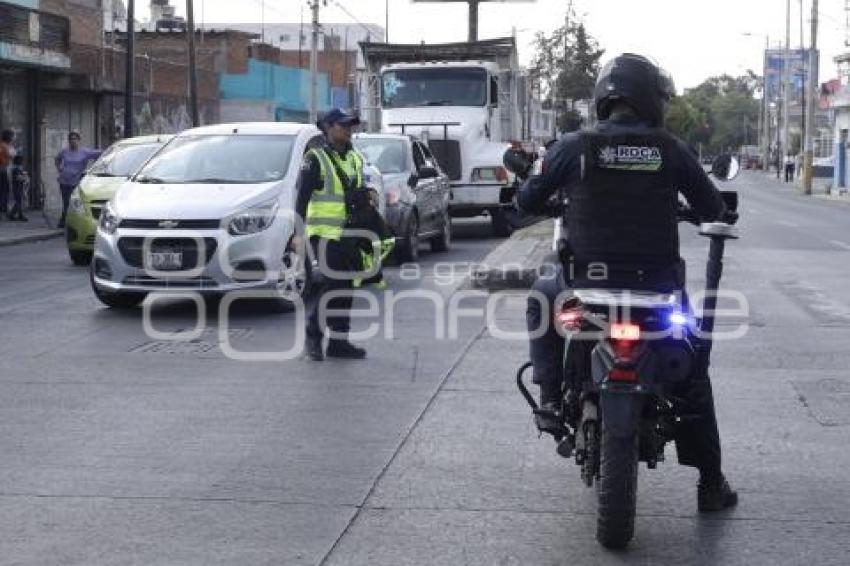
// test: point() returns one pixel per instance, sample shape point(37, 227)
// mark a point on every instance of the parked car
point(416, 191)
point(98, 186)
point(212, 212)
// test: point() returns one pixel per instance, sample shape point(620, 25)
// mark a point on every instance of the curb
point(37, 237)
point(514, 264)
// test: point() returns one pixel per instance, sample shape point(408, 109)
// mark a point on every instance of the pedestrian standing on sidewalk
point(71, 164)
point(7, 153)
point(789, 168)
point(20, 179)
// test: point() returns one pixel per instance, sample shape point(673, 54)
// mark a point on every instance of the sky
point(692, 39)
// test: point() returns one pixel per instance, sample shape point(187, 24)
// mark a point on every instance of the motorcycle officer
point(622, 179)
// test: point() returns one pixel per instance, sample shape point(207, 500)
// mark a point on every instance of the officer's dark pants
point(5, 184)
point(337, 256)
point(697, 438)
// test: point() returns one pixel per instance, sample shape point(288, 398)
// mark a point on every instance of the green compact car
point(98, 186)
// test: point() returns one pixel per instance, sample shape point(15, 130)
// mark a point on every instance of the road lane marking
point(840, 244)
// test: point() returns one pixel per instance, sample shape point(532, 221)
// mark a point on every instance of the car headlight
point(109, 220)
point(76, 202)
point(253, 220)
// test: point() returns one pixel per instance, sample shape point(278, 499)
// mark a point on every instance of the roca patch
point(630, 158)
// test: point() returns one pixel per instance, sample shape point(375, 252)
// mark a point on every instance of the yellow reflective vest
point(326, 213)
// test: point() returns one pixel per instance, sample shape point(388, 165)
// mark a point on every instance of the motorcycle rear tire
point(616, 489)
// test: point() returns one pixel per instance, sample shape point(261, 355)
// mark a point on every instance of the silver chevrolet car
point(212, 212)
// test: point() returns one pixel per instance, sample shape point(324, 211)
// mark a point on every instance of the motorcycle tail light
point(570, 319)
point(625, 350)
point(626, 375)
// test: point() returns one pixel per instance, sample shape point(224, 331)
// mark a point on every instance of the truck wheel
point(499, 221)
point(616, 489)
point(408, 248)
point(80, 257)
point(443, 241)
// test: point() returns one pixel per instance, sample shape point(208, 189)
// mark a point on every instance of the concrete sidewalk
point(36, 229)
point(514, 264)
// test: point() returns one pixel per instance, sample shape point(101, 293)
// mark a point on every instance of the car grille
point(176, 283)
point(447, 153)
point(131, 249)
point(170, 224)
point(96, 207)
point(90, 240)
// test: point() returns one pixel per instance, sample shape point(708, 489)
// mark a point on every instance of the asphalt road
point(121, 449)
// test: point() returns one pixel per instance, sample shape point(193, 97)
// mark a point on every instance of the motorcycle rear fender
point(621, 412)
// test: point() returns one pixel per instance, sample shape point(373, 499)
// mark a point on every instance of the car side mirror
point(725, 167)
point(412, 180)
point(428, 172)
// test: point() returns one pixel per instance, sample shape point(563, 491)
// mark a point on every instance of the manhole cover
point(205, 343)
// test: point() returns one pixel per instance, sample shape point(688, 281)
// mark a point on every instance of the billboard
point(798, 69)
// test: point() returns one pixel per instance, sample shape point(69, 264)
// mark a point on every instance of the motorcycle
point(627, 353)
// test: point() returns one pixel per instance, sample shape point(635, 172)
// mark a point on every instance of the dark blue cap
point(339, 116)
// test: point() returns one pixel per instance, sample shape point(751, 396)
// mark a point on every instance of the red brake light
point(629, 375)
point(625, 331)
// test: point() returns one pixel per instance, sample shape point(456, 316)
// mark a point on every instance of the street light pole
point(785, 74)
point(810, 103)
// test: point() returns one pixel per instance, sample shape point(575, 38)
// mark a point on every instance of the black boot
point(313, 349)
point(549, 418)
point(344, 349)
point(715, 494)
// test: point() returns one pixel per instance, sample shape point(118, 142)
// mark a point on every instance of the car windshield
point(434, 87)
point(237, 159)
point(122, 160)
point(386, 154)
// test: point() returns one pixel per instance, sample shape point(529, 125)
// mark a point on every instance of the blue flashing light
point(678, 318)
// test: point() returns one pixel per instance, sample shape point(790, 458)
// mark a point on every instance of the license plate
point(165, 260)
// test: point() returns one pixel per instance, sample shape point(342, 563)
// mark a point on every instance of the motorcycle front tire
point(616, 489)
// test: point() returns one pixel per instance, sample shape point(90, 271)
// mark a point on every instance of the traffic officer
point(330, 177)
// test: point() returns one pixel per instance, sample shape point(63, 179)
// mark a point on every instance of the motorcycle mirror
point(726, 167)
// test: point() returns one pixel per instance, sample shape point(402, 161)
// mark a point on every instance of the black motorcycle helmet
point(636, 81)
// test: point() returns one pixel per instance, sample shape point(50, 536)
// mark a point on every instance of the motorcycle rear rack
point(523, 389)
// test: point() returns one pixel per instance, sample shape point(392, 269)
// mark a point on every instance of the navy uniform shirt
point(562, 168)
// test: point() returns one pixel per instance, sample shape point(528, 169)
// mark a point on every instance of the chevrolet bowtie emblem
point(168, 224)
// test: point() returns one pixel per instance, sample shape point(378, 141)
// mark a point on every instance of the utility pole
point(314, 63)
point(193, 71)
point(786, 63)
point(387, 21)
point(810, 103)
point(765, 144)
point(473, 20)
point(129, 75)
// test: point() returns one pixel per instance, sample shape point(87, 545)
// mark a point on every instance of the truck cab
point(455, 108)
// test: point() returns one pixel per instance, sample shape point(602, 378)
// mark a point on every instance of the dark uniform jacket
point(622, 180)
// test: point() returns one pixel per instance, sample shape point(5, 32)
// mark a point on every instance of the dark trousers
point(5, 183)
point(697, 437)
point(66, 191)
point(789, 172)
point(338, 256)
point(16, 211)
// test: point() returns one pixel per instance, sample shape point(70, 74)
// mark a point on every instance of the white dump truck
point(466, 102)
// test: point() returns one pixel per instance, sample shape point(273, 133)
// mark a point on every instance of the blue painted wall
point(287, 87)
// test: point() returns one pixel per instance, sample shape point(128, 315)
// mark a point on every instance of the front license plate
point(165, 260)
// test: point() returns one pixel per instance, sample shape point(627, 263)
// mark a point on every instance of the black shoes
point(344, 349)
point(549, 418)
point(313, 350)
point(715, 495)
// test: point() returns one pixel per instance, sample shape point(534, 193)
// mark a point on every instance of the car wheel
point(443, 241)
point(408, 248)
point(294, 278)
point(80, 257)
point(117, 300)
